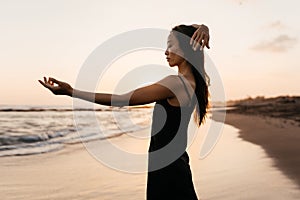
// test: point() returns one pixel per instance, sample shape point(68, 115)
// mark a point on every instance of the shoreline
point(235, 169)
point(280, 138)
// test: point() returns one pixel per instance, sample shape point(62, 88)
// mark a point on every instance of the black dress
point(169, 131)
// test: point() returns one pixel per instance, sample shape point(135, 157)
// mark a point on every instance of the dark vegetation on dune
point(287, 107)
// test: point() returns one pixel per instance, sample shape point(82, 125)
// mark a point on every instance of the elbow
point(120, 101)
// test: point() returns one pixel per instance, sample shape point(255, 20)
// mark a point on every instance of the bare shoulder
point(172, 82)
point(180, 87)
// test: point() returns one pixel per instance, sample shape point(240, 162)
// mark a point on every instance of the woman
point(176, 96)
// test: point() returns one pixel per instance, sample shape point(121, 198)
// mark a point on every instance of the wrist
point(196, 25)
point(70, 92)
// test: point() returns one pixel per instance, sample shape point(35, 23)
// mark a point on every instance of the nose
point(166, 52)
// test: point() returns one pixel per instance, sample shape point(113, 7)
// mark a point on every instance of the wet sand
point(280, 138)
point(236, 168)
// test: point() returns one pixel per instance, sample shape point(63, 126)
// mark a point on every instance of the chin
point(172, 65)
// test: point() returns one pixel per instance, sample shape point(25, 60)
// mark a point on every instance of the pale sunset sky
point(254, 43)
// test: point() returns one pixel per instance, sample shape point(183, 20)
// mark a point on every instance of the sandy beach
point(259, 160)
point(280, 139)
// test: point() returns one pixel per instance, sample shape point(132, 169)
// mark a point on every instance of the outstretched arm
point(144, 95)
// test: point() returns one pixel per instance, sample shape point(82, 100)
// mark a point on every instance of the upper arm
point(162, 89)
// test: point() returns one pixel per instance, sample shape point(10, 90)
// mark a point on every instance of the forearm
point(139, 96)
point(196, 25)
point(199, 25)
point(99, 98)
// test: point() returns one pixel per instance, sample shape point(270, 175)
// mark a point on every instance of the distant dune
point(286, 107)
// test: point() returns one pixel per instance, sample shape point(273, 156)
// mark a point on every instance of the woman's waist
point(177, 142)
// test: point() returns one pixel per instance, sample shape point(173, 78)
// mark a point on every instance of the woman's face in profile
point(173, 52)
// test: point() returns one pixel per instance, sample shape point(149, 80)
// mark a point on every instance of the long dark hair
point(195, 59)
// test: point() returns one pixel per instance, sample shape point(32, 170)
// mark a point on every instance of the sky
point(254, 43)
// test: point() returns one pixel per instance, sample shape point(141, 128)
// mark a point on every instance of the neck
point(185, 69)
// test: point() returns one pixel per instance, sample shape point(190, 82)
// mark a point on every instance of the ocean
point(26, 130)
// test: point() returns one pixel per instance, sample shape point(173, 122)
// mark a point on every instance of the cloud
point(240, 2)
point(278, 25)
point(281, 43)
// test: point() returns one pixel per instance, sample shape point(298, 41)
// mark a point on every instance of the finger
point(193, 37)
point(207, 45)
point(41, 82)
point(44, 84)
point(201, 37)
point(202, 47)
point(54, 80)
point(196, 46)
point(200, 41)
point(195, 43)
point(196, 38)
point(205, 42)
point(48, 81)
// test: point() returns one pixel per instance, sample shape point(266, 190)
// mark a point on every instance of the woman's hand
point(200, 37)
point(61, 88)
